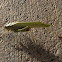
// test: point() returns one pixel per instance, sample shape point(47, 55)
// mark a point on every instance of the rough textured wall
point(48, 45)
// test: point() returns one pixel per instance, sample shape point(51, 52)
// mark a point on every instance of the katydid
point(24, 26)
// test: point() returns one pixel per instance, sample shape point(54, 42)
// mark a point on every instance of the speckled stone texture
point(48, 45)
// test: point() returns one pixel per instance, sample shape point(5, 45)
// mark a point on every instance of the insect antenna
point(3, 33)
point(1, 27)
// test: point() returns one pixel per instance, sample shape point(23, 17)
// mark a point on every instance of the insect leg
point(33, 38)
point(52, 32)
point(17, 45)
point(22, 29)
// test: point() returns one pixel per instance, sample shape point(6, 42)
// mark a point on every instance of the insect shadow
point(38, 53)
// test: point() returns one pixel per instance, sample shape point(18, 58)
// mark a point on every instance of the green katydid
point(24, 26)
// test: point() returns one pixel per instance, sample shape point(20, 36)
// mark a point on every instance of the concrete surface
point(48, 45)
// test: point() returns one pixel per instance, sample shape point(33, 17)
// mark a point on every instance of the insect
point(24, 26)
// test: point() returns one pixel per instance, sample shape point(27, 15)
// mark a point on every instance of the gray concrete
point(48, 45)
